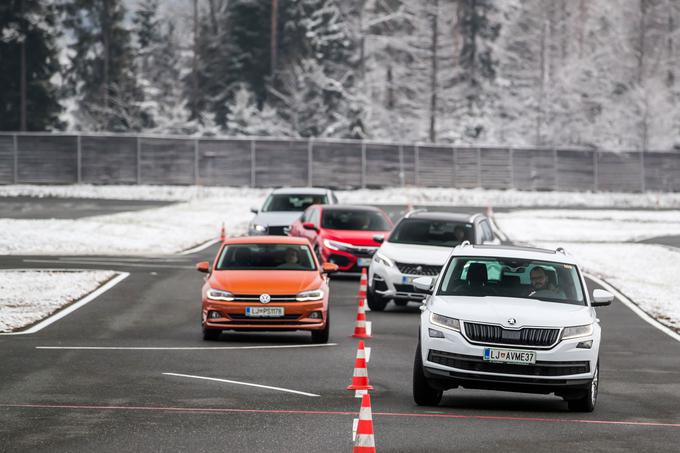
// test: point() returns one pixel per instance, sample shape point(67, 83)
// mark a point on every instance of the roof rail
point(561, 250)
point(414, 211)
point(464, 243)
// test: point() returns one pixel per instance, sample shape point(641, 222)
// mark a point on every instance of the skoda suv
point(511, 319)
point(419, 246)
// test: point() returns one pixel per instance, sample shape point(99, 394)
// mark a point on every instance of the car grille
point(256, 298)
point(473, 363)
point(263, 319)
point(404, 288)
point(418, 269)
point(277, 230)
point(529, 336)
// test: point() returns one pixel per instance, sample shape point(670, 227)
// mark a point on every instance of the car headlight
point(315, 294)
point(337, 245)
point(445, 321)
point(218, 294)
point(257, 227)
point(382, 259)
point(577, 331)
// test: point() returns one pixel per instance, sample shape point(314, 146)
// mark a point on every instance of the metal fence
point(36, 158)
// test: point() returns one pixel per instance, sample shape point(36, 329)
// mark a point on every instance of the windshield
point(292, 202)
point(506, 277)
point(354, 219)
point(255, 257)
point(432, 232)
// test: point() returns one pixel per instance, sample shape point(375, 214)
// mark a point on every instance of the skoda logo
point(511, 321)
point(265, 298)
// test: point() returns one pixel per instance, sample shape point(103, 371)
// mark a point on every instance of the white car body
point(450, 358)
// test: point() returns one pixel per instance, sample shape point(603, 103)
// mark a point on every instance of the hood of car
point(274, 282)
point(276, 218)
point(354, 237)
point(416, 254)
point(525, 312)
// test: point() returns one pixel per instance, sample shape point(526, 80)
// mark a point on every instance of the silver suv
point(419, 246)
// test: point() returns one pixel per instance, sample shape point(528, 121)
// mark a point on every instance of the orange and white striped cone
point(360, 376)
point(364, 441)
point(361, 327)
point(223, 233)
point(363, 284)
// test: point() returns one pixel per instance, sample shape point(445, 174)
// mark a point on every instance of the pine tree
point(28, 95)
point(102, 77)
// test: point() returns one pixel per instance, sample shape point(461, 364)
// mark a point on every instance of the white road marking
point(73, 307)
point(637, 310)
point(200, 247)
point(280, 389)
point(187, 348)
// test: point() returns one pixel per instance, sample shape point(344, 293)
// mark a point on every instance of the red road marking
point(312, 412)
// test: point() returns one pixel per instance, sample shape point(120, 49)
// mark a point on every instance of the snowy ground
point(646, 273)
point(28, 296)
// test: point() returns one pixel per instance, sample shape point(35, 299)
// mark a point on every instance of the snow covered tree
point(102, 77)
point(28, 94)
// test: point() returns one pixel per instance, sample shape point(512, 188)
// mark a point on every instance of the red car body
point(350, 248)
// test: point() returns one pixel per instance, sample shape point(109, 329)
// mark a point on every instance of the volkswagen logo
point(511, 321)
point(265, 298)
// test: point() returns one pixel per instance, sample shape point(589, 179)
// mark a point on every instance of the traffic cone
point(363, 283)
point(361, 326)
point(364, 442)
point(360, 376)
point(223, 233)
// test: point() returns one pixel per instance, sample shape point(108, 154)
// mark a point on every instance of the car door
point(311, 216)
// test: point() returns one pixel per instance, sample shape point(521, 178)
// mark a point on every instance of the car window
point(266, 257)
point(486, 231)
point(354, 219)
point(505, 277)
point(432, 232)
point(291, 202)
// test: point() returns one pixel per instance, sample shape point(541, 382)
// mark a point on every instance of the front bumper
point(390, 283)
point(346, 261)
point(271, 230)
point(233, 317)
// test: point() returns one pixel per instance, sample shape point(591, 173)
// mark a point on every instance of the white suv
point(419, 245)
point(509, 318)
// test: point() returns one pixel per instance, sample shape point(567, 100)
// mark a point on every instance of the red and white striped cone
point(361, 327)
point(363, 284)
point(223, 233)
point(360, 376)
point(364, 442)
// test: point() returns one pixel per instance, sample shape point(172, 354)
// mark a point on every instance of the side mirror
point(203, 266)
point(254, 210)
point(602, 298)
point(309, 226)
point(379, 238)
point(329, 268)
point(423, 284)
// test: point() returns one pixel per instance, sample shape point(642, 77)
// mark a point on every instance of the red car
point(343, 235)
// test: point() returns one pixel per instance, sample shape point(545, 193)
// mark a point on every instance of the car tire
point(321, 336)
point(423, 394)
point(211, 334)
point(587, 402)
point(374, 301)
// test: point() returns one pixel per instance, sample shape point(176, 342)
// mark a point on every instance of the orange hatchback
point(270, 283)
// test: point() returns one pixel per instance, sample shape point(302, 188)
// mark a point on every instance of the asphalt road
point(74, 400)
point(68, 208)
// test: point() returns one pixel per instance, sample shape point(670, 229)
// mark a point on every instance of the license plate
point(509, 356)
point(364, 262)
point(264, 312)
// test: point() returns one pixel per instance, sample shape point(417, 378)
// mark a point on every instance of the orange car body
point(280, 288)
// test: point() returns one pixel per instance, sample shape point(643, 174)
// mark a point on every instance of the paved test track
point(119, 400)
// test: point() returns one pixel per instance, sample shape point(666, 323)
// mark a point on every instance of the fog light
point(316, 315)
point(434, 333)
point(214, 314)
point(585, 344)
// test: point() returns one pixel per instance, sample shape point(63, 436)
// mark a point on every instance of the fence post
point(479, 167)
point(252, 163)
point(196, 169)
point(16, 159)
point(363, 164)
point(416, 175)
point(596, 171)
point(643, 183)
point(402, 175)
point(139, 160)
point(79, 157)
point(310, 162)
